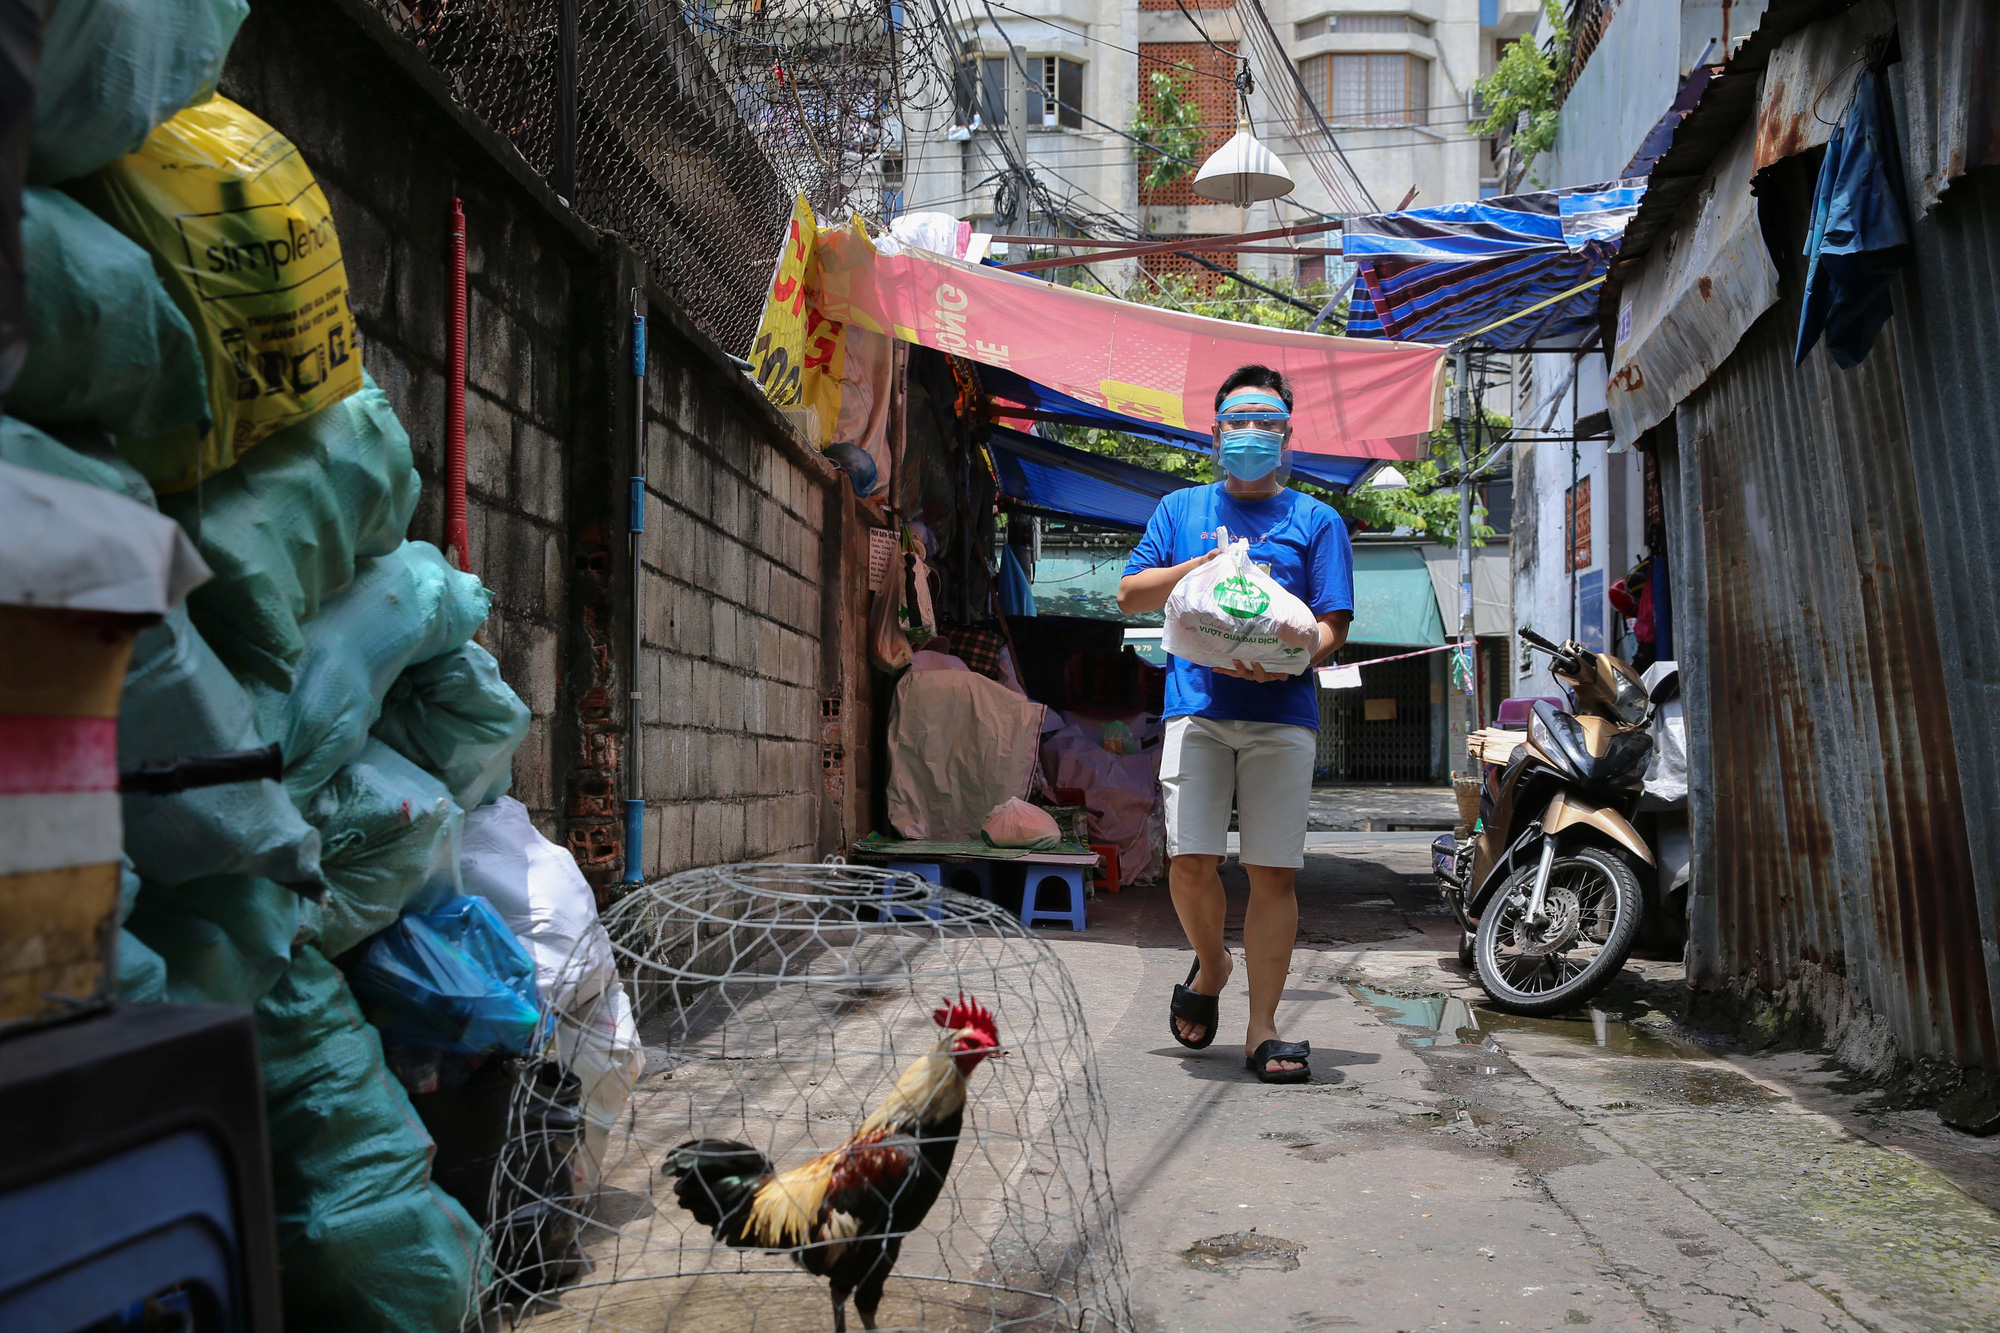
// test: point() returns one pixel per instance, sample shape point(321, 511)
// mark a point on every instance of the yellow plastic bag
point(242, 237)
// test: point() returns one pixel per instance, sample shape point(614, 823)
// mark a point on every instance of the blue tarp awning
point(1439, 274)
point(1332, 471)
point(1054, 479)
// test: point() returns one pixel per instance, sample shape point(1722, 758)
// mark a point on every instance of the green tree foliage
point(1169, 131)
point(1524, 82)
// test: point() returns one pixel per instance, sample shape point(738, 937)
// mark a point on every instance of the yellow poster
point(800, 355)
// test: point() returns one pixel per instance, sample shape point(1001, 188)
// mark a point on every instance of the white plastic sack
point(1667, 769)
point(1228, 610)
point(543, 898)
point(1015, 823)
point(601, 1047)
point(69, 545)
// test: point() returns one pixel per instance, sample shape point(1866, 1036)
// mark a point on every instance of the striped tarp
point(1437, 274)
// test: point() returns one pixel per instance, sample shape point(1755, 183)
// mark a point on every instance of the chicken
point(844, 1214)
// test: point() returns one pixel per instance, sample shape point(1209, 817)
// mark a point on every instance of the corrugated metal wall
point(1947, 332)
point(1833, 831)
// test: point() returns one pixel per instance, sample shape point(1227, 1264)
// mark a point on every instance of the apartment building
point(1054, 88)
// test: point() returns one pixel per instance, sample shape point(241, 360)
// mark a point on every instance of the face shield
point(1253, 437)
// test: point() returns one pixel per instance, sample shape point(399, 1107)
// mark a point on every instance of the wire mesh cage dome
point(779, 1006)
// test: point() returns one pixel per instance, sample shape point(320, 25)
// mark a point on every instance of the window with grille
point(1059, 99)
point(1369, 89)
point(981, 91)
point(1576, 523)
point(1326, 23)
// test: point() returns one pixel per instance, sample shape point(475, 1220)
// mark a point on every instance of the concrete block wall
point(736, 565)
point(391, 186)
point(737, 552)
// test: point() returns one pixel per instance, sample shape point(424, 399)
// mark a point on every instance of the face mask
point(1251, 455)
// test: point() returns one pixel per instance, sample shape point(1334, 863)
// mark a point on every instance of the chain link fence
point(687, 130)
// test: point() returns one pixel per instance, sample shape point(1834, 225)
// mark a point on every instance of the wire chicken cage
point(778, 1005)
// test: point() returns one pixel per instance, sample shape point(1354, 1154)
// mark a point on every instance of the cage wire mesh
point(778, 1006)
point(696, 123)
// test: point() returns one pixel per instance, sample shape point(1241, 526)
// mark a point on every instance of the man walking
point(1243, 735)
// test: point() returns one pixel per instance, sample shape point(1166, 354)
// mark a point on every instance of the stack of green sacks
point(323, 630)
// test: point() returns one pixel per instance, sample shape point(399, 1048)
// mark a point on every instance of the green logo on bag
point(1241, 598)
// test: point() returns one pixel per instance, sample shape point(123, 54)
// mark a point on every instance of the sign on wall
point(1590, 610)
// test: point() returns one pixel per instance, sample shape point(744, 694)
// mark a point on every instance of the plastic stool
point(1107, 879)
point(1037, 878)
point(925, 870)
point(982, 871)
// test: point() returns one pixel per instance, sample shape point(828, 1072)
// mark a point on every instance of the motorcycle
point(1547, 889)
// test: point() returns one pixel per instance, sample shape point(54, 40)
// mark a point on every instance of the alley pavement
point(1452, 1168)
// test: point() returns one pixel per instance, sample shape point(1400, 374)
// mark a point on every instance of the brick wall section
point(745, 527)
point(735, 570)
point(1207, 78)
point(387, 164)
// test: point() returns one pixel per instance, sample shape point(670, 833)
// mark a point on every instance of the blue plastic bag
point(451, 979)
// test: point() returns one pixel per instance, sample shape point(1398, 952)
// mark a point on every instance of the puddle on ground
point(1239, 1250)
point(1444, 1020)
point(1684, 1075)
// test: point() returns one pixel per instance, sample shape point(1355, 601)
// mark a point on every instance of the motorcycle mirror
point(1666, 686)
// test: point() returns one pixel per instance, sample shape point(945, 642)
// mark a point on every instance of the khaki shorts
point(1265, 768)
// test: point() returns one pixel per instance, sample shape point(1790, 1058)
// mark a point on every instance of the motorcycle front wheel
point(1590, 922)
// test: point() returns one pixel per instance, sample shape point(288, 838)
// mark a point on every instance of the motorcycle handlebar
point(1528, 636)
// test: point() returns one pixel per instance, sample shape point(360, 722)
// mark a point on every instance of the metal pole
point(635, 743)
point(1461, 408)
point(562, 169)
point(1017, 129)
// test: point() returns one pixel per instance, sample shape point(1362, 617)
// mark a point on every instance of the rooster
point(843, 1215)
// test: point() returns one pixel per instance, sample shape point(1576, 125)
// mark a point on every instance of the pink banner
point(1358, 398)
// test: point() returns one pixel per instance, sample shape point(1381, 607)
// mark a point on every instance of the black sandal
point(1191, 1006)
point(1260, 1063)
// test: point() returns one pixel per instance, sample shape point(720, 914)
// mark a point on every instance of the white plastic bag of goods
point(1229, 610)
point(111, 70)
point(1015, 823)
point(600, 1045)
point(107, 346)
point(543, 898)
point(408, 606)
point(959, 744)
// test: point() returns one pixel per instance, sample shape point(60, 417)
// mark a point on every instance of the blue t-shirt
point(1301, 540)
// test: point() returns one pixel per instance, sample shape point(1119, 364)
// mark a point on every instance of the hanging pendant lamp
point(1243, 172)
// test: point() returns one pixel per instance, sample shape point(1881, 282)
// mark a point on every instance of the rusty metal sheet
point(1730, 100)
point(1947, 332)
point(1832, 846)
point(1950, 92)
point(1693, 298)
point(1810, 79)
